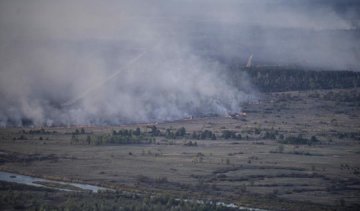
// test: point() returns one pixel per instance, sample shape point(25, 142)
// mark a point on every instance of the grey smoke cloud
point(56, 57)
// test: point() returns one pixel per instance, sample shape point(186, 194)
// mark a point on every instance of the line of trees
point(137, 136)
point(276, 79)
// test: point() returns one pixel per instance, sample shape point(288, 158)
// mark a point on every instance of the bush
point(299, 140)
point(228, 134)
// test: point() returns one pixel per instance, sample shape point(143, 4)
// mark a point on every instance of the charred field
point(290, 150)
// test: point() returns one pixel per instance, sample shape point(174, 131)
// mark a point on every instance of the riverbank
point(45, 183)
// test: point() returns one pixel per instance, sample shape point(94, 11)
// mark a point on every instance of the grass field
point(297, 151)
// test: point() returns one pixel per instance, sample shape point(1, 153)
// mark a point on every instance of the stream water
point(39, 182)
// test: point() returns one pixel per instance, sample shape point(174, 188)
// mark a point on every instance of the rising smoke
point(100, 62)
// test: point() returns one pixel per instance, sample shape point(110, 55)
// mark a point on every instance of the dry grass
point(324, 173)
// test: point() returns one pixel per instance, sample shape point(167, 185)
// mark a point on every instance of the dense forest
point(276, 79)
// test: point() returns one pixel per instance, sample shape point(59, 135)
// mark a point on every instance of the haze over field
point(98, 62)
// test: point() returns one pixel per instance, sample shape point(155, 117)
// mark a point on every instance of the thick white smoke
point(75, 63)
point(98, 62)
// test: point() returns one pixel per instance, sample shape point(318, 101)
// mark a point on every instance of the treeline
point(111, 139)
point(276, 79)
point(181, 133)
point(41, 131)
point(300, 140)
point(137, 136)
point(199, 135)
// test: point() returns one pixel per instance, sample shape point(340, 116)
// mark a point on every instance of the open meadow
point(288, 151)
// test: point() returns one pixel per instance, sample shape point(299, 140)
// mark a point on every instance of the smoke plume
point(100, 62)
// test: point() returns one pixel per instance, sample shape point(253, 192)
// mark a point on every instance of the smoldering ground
point(97, 62)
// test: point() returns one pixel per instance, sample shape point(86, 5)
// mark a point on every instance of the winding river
point(39, 182)
point(69, 186)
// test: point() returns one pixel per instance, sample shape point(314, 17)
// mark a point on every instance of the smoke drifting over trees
point(97, 62)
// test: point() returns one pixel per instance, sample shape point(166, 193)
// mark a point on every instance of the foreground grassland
point(290, 151)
